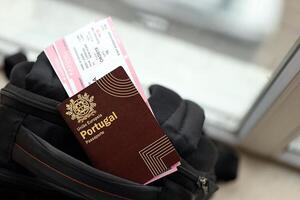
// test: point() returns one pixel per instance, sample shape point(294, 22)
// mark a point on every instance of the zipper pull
point(202, 183)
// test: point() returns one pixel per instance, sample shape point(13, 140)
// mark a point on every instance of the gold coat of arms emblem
point(82, 108)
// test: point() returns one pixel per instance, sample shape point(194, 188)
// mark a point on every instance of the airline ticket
point(84, 56)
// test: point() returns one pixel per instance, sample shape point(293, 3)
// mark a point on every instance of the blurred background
point(219, 53)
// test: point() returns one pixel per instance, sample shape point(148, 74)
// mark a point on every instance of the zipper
point(201, 181)
point(49, 105)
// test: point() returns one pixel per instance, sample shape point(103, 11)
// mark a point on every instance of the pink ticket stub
point(88, 54)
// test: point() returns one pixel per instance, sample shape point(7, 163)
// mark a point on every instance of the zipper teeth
point(190, 175)
point(201, 181)
point(28, 101)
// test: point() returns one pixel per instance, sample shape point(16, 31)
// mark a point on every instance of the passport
point(117, 130)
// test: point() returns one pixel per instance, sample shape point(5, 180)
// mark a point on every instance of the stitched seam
point(66, 176)
point(70, 166)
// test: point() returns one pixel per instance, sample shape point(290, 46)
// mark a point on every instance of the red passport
point(118, 131)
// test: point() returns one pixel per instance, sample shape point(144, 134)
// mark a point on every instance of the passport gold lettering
point(106, 122)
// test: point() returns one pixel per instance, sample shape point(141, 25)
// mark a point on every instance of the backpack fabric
point(41, 159)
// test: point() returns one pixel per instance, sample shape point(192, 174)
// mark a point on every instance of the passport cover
point(118, 131)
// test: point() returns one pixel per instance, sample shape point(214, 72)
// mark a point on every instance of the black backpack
point(41, 159)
